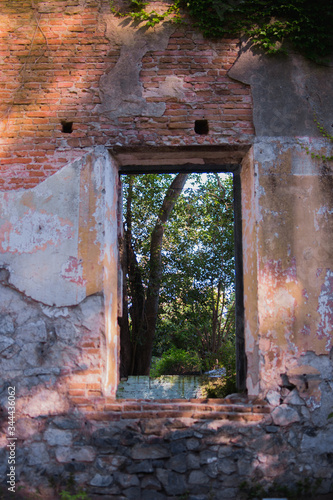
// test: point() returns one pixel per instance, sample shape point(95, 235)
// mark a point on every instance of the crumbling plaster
point(287, 90)
point(287, 228)
point(121, 92)
point(59, 246)
point(52, 236)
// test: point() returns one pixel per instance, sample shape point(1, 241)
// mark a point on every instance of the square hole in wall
point(201, 127)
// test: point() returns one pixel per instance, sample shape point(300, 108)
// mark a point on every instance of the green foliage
point(307, 25)
point(226, 358)
point(81, 495)
point(176, 362)
point(196, 319)
point(136, 10)
point(307, 488)
point(325, 134)
point(220, 388)
point(66, 487)
point(198, 261)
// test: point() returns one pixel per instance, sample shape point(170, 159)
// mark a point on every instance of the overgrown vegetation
point(270, 24)
point(195, 322)
point(66, 495)
point(176, 362)
point(307, 488)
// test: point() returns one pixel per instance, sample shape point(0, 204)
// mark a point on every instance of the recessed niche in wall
point(67, 127)
point(201, 127)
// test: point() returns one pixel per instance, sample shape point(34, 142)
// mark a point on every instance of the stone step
point(245, 410)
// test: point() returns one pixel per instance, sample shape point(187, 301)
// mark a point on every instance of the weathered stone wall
point(165, 450)
point(50, 354)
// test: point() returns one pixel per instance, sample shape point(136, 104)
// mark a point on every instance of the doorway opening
point(199, 323)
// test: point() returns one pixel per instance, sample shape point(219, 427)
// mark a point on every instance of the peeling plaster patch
point(306, 330)
point(121, 91)
point(100, 206)
point(73, 271)
point(278, 299)
point(173, 86)
point(55, 312)
point(324, 212)
point(325, 309)
point(263, 152)
point(89, 249)
point(34, 231)
point(281, 104)
point(46, 231)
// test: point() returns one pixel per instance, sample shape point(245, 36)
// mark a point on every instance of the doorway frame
point(206, 159)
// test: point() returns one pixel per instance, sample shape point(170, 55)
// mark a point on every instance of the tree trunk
point(144, 309)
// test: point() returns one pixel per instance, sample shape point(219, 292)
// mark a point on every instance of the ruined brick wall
point(132, 97)
point(73, 62)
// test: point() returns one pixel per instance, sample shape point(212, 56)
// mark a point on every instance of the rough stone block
point(207, 457)
point(101, 481)
point(32, 332)
point(37, 454)
point(175, 484)
point(284, 415)
point(6, 325)
point(193, 461)
point(318, 442)
point(144, 451)
point(126, 480)
point(66, 332)
point(193, 444)
point(110, 463)
point(5, 342)
point(132, 493)
point(150, 482)
point(57, 437)
point(198, 477)
point(293, 398)
point(145, 466)
point(84, 454)
point(273, 398)
point(178, 463)
point(227, 466)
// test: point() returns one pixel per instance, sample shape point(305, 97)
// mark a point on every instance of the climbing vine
point(271, 24)
point(326, 135)
point(136, 10)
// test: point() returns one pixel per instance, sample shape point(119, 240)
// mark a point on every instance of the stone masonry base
point(157, 450)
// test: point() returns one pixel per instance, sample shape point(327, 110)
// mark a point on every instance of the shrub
point(220, 387)
point(176, 362)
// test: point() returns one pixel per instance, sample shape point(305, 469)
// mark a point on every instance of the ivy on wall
point(306, 24)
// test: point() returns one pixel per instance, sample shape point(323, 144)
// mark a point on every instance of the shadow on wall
point(158, 458)
point(51, 355)
point(149, 453)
